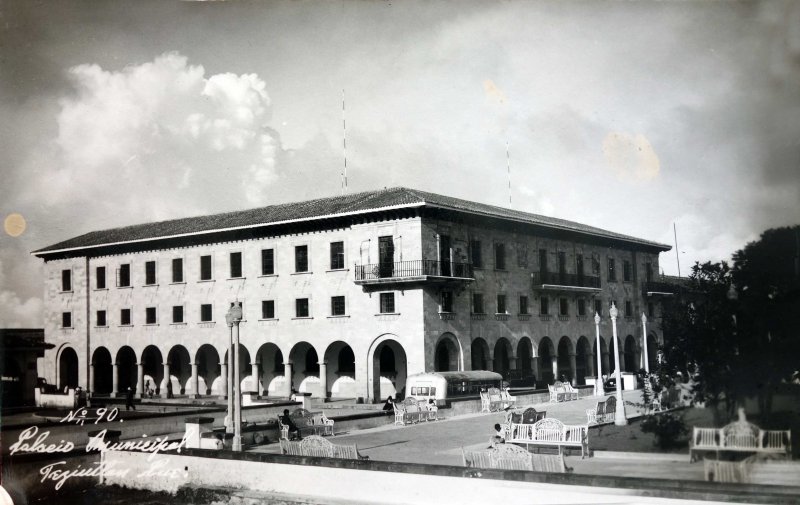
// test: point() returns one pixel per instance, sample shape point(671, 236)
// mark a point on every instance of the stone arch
point(67, 368)
point(127, 370)
point(547, 358)
point(153, 368)
point(208, 370)
point(503, 356)
point(448, 355)
point(340, 370)
point(387, 368)
point(180, 370)
point(479, 350)
point(630, 353)
point(102, 371)
point(271, 370)
point(566, 357)
point(583, 360)
point(305, 369)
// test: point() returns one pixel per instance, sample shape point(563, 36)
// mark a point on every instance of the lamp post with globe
point(619, 419)
point(233, 318)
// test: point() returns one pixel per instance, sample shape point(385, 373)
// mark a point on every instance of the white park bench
point(491, 400)
point(410, 411)
point(550, 432)
point(507, 399)
point(604, 412)
point(512, 457)
point(561, 392)
point(307, 422)
point(740, 436)
point(317, 446)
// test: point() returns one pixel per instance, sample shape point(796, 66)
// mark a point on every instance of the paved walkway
point(441, 442)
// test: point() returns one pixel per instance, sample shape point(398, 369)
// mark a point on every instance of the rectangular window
point(544, 306)
point(149, 273)
point(301, 307)
point(499, 256)
point(612, 270)
point(236, 265)
point(598, 307)
point(563, 307)
point(447, 301)
point(267, 261)
point(477, 303)
point(562, 262)
point(205, 268)
point(581, 307)
point(206, 313)
point(66, 319)
point(150, 315)
point(337, 305)
point(101, 318)
point(523, 304)
point(627, 271)
point(124, 275)
point(648, 271)
point(177, 270)
point(476, 253)
point(337, 255)
point(301, 258)
point(268, 309)
point(579, 264)
point(522, 255)
point(501, 304)
point(628, 308)
point(100, 277)
point(387, 303)
point(651, 309)
point(177, 313)
point(543, 260)
point(66, 280)
point(125, 317)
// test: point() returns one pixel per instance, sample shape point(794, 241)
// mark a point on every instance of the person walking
point(129, 400)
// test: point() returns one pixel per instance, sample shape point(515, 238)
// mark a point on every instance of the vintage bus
point(442, 386)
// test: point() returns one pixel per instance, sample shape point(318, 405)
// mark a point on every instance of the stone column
point(195, 382)
point(255, 376)
point(512, 363)
point(323, 378)
point(555, 367)
point(574, 365)
point(438, 255)
point(165, 381)
point(140, 379)
point(224, 376)
point(489, 363)
point(287, 379)
point(114, 379)
point(92, 387)
point(535, 368)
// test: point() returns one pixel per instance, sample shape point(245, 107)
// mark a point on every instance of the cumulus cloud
point(15, 312)
point(630, 156)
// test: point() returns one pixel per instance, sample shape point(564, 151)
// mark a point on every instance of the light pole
point(233, 318)
point(644, 343)
point(598, 385)
point(619, 418)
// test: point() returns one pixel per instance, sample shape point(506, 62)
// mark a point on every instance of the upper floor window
point(337, 306)
point(66, 280)
point(543, 260)
point(66, 319)
point(125, 317)
point(124, 275)
point(101, 318)
point(267, 261)
point(499, 256)
point(149, 272)
point(477, 303)
point(205, 268)
point(301, 307)
point(447, 301)
point(476, 253)
point(177, 313)
point(544, 305)
point(268, 309)
point(100, 277)
point(177, 270)
point(236, 265)
point(387, 303)
point(627, 271)
point(628, 308)
point(206, 313)
point(648, 271)
point(150, 315)
point(523, 304)
point(562, 262)
point(598, 307)
point(612, 270)
point(301, 258)
point(501, 304)
point(522, 255)
point(581, 307)
point(337, 255)
point(579, 264)
point(563, 307)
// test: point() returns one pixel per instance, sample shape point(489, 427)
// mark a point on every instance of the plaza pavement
point(440, 443)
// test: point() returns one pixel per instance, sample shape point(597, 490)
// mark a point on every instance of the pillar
point(255, 376)
point(140, 379)
point(92, 386)
point(165, 381)
point(114, 379)
point(223, 374)
point(287, 379)
point(489, 363)
point(512, 363)
point(323, 378)
point(535, 368)
point(438, 255)
point(554, 359)
point(195, 381)
point(573, 363)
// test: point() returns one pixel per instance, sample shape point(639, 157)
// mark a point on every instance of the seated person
point(294, 432)
point(498, 438)
point(432, 404)
point(389, 405)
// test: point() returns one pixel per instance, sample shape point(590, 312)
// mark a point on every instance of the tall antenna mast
point(677, 256)
point(344, 145)
point(508, 167)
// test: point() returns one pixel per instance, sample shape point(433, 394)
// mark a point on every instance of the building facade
point(344, 297)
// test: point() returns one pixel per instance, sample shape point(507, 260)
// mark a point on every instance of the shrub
point(669, 429)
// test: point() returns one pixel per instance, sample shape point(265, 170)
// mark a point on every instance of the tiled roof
point(358, 203)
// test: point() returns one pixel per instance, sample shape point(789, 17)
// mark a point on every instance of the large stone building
point(343, 296)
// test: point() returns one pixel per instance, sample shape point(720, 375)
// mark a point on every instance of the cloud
point(631, 157)
point(15, 313)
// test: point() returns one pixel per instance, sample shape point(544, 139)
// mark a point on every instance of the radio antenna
point(344, 145)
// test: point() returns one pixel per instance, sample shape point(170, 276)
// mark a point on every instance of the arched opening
point(103, 371)
point(180, 370)
point(502, 357)
point(630, 362)
point(389, 370)
point(153, 369)
point(446, 357)
point(127, 371)
point(305, 371)
point(479, 350)
point(566, 371)
point(583, 360)
point(547, 362)
point(271, 370)
point(208, 370)
point(67, 369)
point(340, 380)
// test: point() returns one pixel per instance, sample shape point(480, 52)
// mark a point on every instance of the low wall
point(320, 480)
point(22, 475)
point(55, 400)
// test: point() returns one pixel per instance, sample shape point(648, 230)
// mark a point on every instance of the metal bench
point(317, 446)
point(739, 437)
point(307, 422)
point(410, 411)
point(550, 432)
point(561, 392)
point(512, 457)
point(491, 400)
point(604, 412)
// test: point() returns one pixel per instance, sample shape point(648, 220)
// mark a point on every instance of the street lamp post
point(619, 419)
point(234, 317)
point(644, 343)
point(598, 385)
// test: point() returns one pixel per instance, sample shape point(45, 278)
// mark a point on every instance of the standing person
point(129, 400)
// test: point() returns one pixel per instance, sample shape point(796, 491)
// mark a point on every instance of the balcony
point(555, 281)
point(654, 288)
point(413, 272)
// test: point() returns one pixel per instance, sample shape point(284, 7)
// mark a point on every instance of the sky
point(631, 116)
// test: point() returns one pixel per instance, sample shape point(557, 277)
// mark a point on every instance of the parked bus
point(441, 386)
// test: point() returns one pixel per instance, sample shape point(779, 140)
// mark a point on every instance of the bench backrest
point(740, 435)
point(316, 446)
point(611, 405)
point(601, 408)
point(548, 430)
point(411, 405)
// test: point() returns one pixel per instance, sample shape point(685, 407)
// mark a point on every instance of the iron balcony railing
point(565, 279)
point(412, 269)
